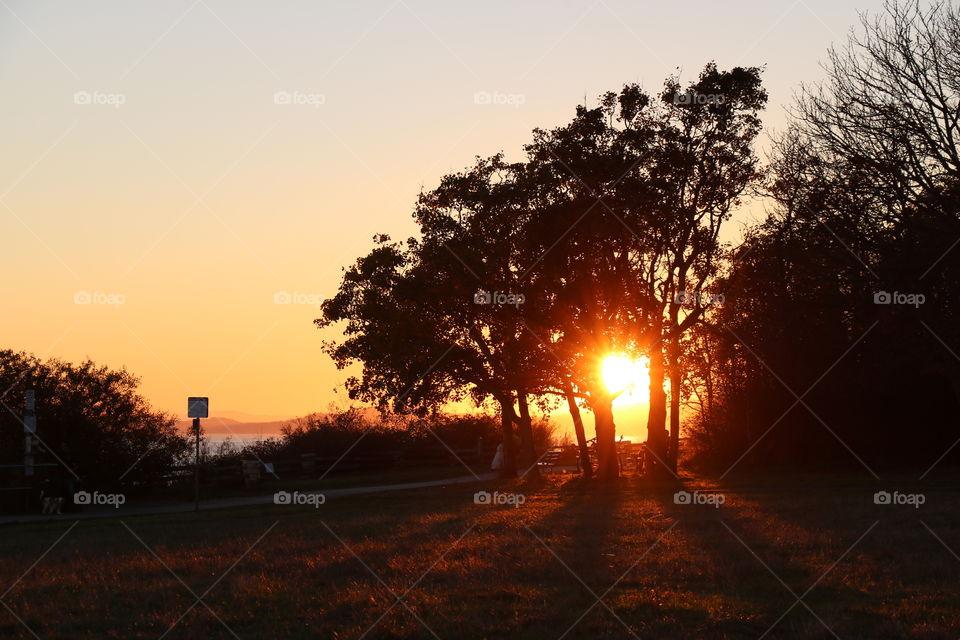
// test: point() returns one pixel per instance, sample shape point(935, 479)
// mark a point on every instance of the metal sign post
point(196, 466)
point(197, 408)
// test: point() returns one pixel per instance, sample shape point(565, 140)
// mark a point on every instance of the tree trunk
point(608, 467)
point(528, 451)
point(509, 467)
point(586, 468)
point(657, 417)
point(673, 364)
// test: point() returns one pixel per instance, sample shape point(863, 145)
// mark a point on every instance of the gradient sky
point(199, 198)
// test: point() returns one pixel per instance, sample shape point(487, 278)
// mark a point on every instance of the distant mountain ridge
point(228, 426)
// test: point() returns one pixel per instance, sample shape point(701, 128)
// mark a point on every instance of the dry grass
point(478, 571)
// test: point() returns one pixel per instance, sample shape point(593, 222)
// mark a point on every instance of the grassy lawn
point(464, 571)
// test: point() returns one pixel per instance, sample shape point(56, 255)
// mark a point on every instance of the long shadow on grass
point(572, 543)
point(610, 537)
point(415, 541)
point(738, 551)
point(894, 580)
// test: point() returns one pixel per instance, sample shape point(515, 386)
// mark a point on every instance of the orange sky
point(149, 167)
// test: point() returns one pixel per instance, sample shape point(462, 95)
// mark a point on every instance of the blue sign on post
point(198, 407)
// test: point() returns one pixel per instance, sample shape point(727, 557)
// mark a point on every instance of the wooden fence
point(309, 465)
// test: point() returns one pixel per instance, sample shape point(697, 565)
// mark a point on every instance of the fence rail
point(309, 465)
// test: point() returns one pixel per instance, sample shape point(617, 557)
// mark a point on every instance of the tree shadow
point(746, 547)
point(608, 534)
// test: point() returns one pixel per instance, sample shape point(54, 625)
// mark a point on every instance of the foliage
point(91, 420)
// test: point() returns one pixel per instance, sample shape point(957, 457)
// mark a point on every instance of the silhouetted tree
point(607, 219)
point(865, 203)
point(90, 419)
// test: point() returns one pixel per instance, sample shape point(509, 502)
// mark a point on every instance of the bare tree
point(891, 101)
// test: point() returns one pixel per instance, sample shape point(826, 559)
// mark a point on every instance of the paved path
point(230, 503)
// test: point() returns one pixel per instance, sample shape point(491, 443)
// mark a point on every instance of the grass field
point(573, 561)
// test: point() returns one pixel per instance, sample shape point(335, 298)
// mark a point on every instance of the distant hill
point(216, 425)
point(240, 416)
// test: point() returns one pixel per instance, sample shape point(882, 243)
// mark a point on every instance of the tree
point(889, 105)
point(864, 186)
point(707, 163)
point(470, 257)
point(580, 264)
point(659, 177)
point(422, 318)
point(666, 173)
point(91, 420)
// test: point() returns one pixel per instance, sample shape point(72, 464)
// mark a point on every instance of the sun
point(629, 375)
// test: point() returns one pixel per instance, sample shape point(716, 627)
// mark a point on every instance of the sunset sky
point(148, 162)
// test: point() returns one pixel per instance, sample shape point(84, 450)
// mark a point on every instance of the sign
point(29, 400)
point(30, 424)
point(198, 407)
